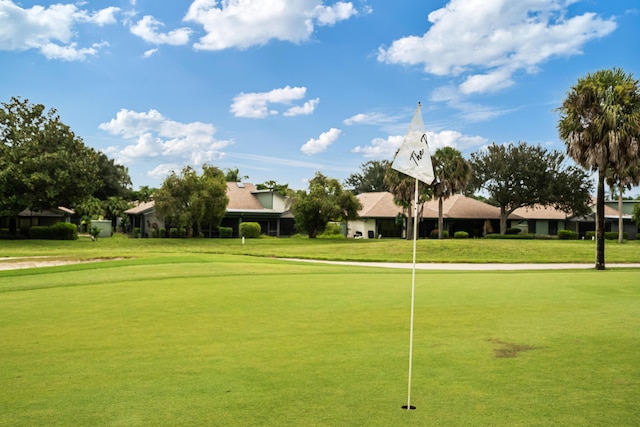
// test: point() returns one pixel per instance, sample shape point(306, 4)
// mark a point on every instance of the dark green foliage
point(453, 174)
point(59, 231)
point(435, 233)
point(567, 235)
point(173, 233)
point(460, 235)
point(513, 230)
point(250, 230)
point(371, 179)
point(325, 201)
point(225, 232)
point(522, 236)
point(523, 175)
point(163, 233)
point(155, 233)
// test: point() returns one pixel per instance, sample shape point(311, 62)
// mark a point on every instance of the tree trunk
point(600, 222)
point(503, 220)
point(620, 221)
point(440, 220)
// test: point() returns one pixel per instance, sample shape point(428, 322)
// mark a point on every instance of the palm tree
point(403, 190)
point(453, 174)
point(629, 177)
point(600, 125)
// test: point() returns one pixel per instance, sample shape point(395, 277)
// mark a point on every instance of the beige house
point(379, 217)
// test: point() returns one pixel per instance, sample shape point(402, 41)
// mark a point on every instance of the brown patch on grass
point(509, 349)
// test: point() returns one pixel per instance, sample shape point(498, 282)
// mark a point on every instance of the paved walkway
point(468, 266)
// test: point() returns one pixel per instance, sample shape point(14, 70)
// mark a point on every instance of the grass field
point(196, 333)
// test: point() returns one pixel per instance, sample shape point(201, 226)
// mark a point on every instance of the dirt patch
point(509, 349)
point(35, 262)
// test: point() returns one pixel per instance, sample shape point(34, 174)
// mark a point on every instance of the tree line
point(43, 164)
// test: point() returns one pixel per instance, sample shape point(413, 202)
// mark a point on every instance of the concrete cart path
point(468, 266)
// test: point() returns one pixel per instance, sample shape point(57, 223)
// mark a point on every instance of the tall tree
point(453, 174)
point(190, 200)
point(114, 179)
point(403, 189)
point(524, 175)
point(325, 201)
point(282, 189)
point(600, 125)
point(370, 179)
point(625, 180)
point(43, 164)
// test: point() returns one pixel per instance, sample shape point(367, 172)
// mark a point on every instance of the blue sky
point(282, 89)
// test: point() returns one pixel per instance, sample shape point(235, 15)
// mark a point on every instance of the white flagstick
point(413, 292)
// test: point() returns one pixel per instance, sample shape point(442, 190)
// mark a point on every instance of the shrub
point(513, 230)
point(163, 233)
point(59, 231)
point(460, 235)
point(590, 235)
point(182, 233)
point(173, 232)
point(250, 230)
point(434, 234)
point(155, 233)
point(608, 235)
point(332, 231)
point(225, 232)
point(567, 235)
point(524, 236)
point(136, 232)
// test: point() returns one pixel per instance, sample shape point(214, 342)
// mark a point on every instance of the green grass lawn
point(185, 335)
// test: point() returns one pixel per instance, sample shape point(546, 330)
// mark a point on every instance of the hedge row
point(59, 231)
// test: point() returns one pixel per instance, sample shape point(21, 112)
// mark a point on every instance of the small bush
point(434, 234)
point(155, 233)
point(513, 230)
point(567, 235)
point(250, 230)
point(163, 233)
point(173, 233)
point(136, 232)
point(225, 232)
point(460, 235)
point(332, 231)
point(182, 233)
point(608, 235)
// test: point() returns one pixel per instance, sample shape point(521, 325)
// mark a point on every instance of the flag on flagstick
point(413, 159)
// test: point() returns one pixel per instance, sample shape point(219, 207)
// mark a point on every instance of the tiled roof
point(381, 205)
point(141, 208)
point(241, 196)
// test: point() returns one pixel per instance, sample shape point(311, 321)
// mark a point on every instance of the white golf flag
point(413, 157)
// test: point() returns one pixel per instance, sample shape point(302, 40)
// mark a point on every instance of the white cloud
point(381, 148)
point(156, 136)
point(147, 29)
point(51, 29)
point(488, 41)
point(315, 146)
point(164, 170)
point(369, 119)
point(386, 148)
point(257, 105)
point(150, 52)
point(305, 109)
point(245, 23)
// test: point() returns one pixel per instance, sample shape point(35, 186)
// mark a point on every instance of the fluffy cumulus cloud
point(485, 42)
point(51, 30)
point(315, 146)
point(386, 148)
point(154, 136)
point(258, 105)
point(245, 23)
point(148, 28)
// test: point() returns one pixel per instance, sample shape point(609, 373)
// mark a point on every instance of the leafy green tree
point(523, 175)
point(113, 208)
point(453, 174)
point(282, 189)
point(188, 199)
point(403, 189)
point(325, 201)
point(600, 125)
point(370, 179)
point(88, 209)
point(43, 164)
point(114, 179)
point(233, 175)
point(142, 194)
point(636, 214)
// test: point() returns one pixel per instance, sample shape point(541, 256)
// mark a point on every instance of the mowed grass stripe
point(224, 340)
